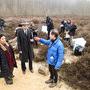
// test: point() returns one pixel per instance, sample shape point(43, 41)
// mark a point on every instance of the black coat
point(4, 65)
point(25, 45)
point(50, 25)
point(2, 22)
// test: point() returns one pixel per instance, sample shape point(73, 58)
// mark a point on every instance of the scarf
point(3, 47)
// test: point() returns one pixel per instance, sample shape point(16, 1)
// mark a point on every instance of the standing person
point(49, 23)
point(24, 41)
point(34, 32)
point(7, 60)
point(55, 56)
point(2, 24)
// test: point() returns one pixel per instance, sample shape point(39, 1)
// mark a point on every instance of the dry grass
point(78, 75)
point(40, 56)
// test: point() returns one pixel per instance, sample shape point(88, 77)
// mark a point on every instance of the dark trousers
point(23, 66)
point(49, 34)
point(53, 73)
point(5, 72)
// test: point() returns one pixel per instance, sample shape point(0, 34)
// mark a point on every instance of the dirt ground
point(30, 81)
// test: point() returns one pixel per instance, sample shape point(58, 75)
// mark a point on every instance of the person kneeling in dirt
point(7, 60)
point(55, 56)
point(62, 26)
point(72, 30)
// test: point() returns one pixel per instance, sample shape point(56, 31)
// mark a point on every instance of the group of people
point(69, 28)
point(26, 36)
point(7, 60)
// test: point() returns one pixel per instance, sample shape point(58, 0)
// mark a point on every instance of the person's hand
point(32, 40)
point(13, 40)
point(20, 52)
point(37, 38)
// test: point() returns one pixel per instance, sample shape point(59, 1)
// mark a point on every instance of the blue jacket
point(55, 54)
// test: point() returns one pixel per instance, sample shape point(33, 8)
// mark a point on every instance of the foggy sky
point(44, 7)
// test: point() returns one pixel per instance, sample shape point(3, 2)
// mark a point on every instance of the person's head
point(62, 22)
point(20, 25)
point(54, 34)
point(2, 39)
point(25, 25)
point(48, 18)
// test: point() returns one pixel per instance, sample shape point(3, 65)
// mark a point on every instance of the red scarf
point(10, 58)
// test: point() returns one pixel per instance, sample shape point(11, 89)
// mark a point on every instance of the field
point(75, 76)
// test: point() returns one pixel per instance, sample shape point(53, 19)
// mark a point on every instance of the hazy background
point(44, 7)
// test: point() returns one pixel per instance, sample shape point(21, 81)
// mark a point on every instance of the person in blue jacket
point(55, 55)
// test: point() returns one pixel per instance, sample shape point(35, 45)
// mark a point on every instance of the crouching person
point(55, 56)
point(7, 60)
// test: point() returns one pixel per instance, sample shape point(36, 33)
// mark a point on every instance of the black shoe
point(49, 81)
point(52, 85)
point(9, 81)
point(32, 71)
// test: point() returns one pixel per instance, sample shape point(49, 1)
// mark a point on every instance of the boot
point(9, 80)
point(49, 81)
point(32, 71)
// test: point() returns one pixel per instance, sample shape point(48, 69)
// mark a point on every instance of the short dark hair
point(55, 33)
point(20, 25)
point(1, 35)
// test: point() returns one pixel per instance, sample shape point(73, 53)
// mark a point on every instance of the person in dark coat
point(2, 24)
point(24, 41)
point(34, 32)
point(68, 26)
point(62, 26)
point(50, 26)
point(7, 60)
point(73, 29)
